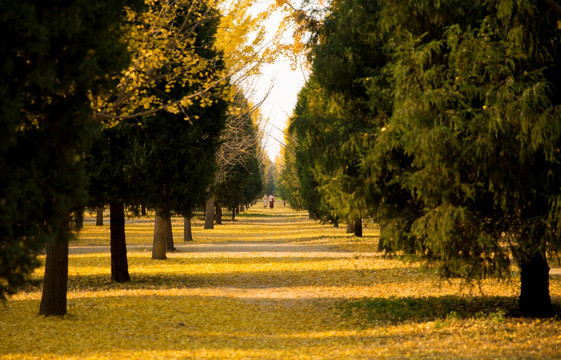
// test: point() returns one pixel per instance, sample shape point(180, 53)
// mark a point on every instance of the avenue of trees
point(118, 104)
point(441, 121)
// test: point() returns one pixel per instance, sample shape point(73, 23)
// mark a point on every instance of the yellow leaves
point(164, 56)
point(264, 287)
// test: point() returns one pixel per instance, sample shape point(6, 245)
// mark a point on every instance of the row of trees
point(441, 121)
point(121, 104)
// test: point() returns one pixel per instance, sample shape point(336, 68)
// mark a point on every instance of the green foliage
point(164, 160)
point(441, 120)
point(241, 185)
point(443, 308)
point(53, 55)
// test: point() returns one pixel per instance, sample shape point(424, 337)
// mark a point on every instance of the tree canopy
point(445, 126)
point(54, 55)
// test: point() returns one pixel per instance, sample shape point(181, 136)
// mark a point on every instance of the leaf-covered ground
point(271, 285)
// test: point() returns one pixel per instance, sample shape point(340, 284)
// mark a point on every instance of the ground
point(271, 285)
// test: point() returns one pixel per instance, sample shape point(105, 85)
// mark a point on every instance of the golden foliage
point(165, 55)
point(273, 285)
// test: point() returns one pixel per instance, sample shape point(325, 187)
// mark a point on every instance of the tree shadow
point(431, 308)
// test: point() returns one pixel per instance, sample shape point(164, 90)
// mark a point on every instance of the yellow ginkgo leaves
point(272, 285)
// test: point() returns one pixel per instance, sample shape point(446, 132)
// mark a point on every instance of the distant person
point(265, 201)
point(271, 201)
point(283, 202)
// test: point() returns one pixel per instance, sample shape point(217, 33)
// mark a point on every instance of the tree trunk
point(350, 227)
point(218, 220)
point(358, 228)
point(209, 213)
point(187, 233)
point(534, 290)
point(142, 210)
point(169, 235)
point(234, 213)
point(55, 281)
point(119, 262)
point(79, 218)
point(159, 244)
point(380, 242)
point(99, 216)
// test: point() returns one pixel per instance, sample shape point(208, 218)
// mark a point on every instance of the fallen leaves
point(312, 293)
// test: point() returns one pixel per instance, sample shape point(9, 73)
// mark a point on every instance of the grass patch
point(431, 308)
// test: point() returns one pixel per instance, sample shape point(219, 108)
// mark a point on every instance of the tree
point(180, 162)
point(238, 179)
point(164, 160)
point(479, 96)
point(54, 55)
point(239, 144)
point(460, 121)
point(303, 147)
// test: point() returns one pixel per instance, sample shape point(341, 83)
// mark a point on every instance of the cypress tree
point(54, 54)
point(477, 113)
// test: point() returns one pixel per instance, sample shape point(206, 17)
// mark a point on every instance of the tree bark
point(99, 216)
point(187, 233)
point(209, 213)
point(119, 262)
point(358, 228)
point(350, 227)
point(534, 290)
point(380, 242)
point(218, 220)
point(159, 244)
point(169, 235)
point(79, 218)
point(55, 281)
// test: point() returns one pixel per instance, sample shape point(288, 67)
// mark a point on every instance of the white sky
point(279, 105)
point(284, 85)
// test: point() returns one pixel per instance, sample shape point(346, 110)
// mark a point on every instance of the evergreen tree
point(305, 143)
point(478, 114)
point(53, 55)
point(445, 117)
point(164, 160)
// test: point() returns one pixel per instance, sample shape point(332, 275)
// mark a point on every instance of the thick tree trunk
point(350, 227)
point(159, 244)
point(358, 228)
point(187, 233)
point(534, 290)
point(209, 213)
point(99, 216)
point(169, 235)
point(218, 220)
point(119, 262)
point(53, 299)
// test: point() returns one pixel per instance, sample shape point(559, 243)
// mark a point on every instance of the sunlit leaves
point(295, 290)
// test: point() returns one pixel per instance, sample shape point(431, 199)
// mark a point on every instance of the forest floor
point(270, 285)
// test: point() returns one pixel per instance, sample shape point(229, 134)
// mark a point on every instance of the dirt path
point(235, 249)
